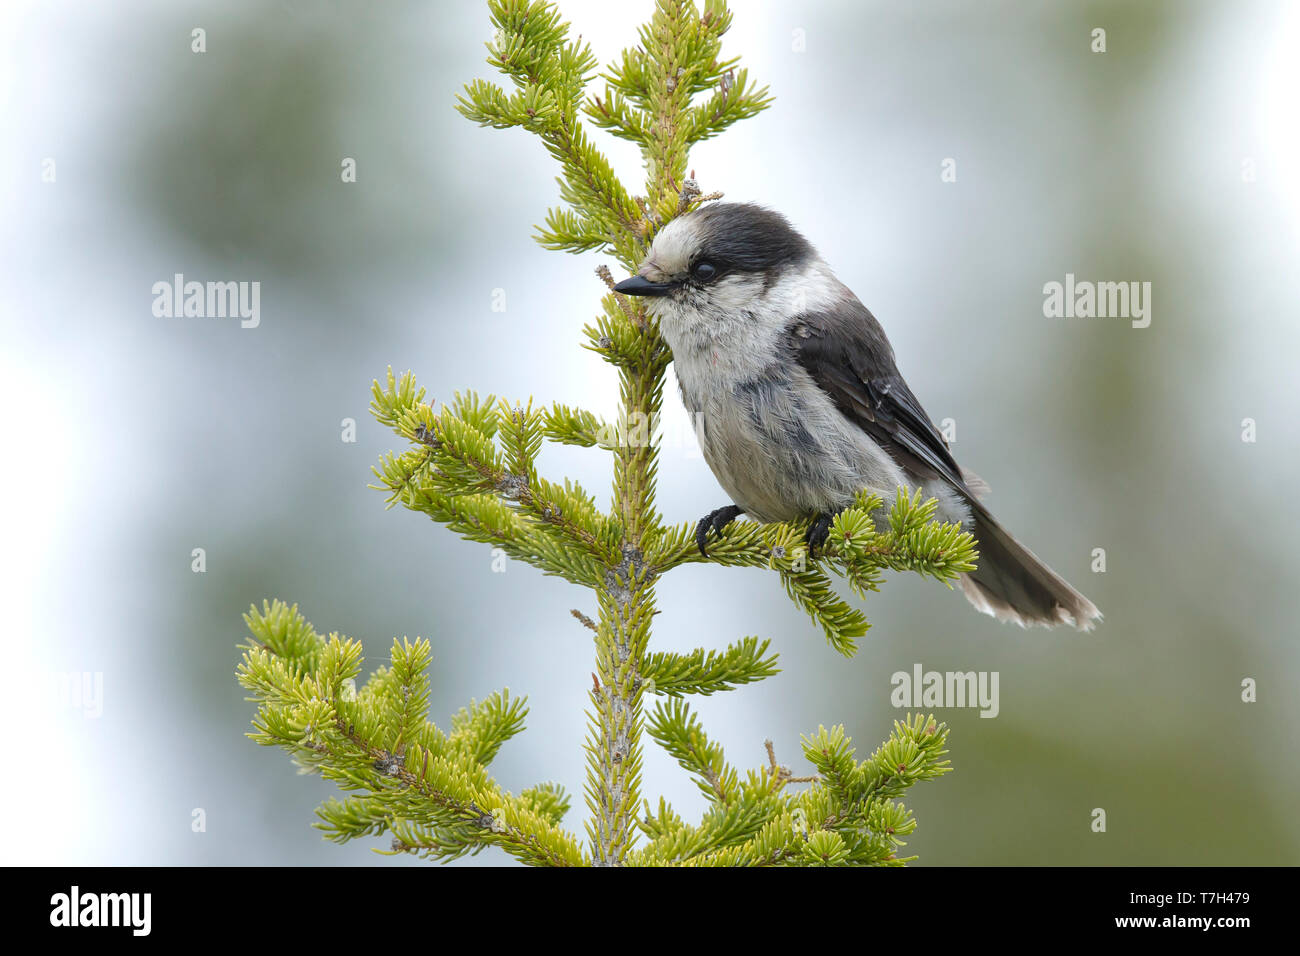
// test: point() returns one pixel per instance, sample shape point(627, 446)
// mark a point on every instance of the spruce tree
point(470, 464)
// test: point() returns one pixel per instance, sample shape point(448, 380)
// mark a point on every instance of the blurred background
point(1173, 157)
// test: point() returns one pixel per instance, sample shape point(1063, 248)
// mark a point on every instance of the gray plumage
point(799, 400)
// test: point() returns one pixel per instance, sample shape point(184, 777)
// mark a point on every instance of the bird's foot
point(820, 530)
point(714, 522)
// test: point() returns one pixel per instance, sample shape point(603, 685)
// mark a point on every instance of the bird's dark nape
point(749, 238)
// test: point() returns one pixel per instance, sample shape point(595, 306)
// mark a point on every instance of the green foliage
point(676, 729)
point(471, 465)
point(850, 816)
point(864, 541)
point(429, 789)
point(705, 673)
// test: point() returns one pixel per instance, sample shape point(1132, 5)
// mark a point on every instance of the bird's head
point(718, 264)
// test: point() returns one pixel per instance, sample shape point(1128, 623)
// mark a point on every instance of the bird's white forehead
point(671, 251)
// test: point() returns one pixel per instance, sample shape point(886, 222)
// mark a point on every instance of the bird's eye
point(704, 270)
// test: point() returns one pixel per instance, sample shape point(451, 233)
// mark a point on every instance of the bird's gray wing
point(848, 356)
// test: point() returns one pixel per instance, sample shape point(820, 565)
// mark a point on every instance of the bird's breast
point(777, 444)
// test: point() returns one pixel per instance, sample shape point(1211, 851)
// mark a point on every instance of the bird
point(799, 404)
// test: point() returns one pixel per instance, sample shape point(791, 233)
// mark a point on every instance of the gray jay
point(800, 405)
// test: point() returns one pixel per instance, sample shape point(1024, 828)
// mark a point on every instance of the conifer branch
point(705, 673)
point(378, 739)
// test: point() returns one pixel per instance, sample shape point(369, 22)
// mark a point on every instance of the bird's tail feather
point(1013, 585)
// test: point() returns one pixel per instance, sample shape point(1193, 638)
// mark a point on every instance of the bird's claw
point(819, 531)
point(714, 522)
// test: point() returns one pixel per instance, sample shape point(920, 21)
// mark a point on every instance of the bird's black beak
point(640, 285)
